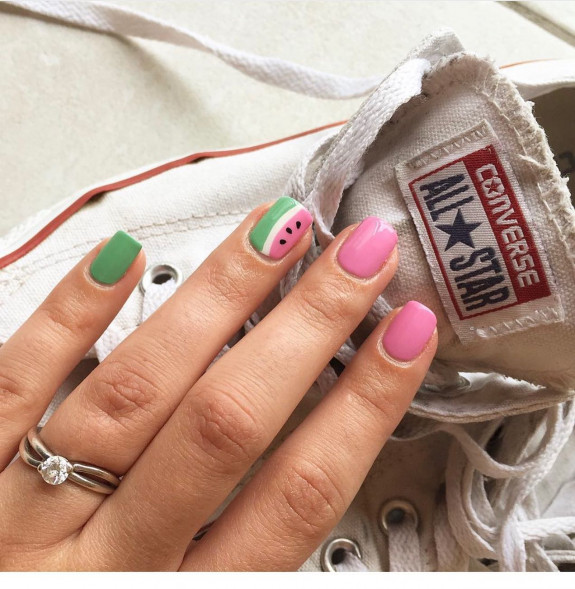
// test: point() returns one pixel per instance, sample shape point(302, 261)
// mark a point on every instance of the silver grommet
point(329, 553)
point(158, 274)
point(394, 512)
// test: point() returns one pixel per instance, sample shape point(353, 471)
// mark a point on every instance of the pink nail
point(367, 248)
point(409, 331)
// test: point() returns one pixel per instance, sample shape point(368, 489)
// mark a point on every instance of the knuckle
point(312, 499)
point(379, 398)
point(327, 304)
point(122, 393)
point(230, 279)
point(224, 430)
point(68, 318)
point(12, 396)
point(18, 552)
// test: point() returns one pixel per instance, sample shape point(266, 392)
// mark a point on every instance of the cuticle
point(257, 255)
point(103, 285)
point(391, 359)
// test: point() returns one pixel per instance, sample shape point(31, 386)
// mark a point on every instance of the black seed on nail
point(289, 230)
point(282, 241)
point(298, 224)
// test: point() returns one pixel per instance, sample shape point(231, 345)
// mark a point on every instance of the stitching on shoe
point(25, 267)
point(531, 143)
point(49, 261)
point(487, 81)
point(536, 317)
point(427, 410)
point(560, 209)
point(478, 79)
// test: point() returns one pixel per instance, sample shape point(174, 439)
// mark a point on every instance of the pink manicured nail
point(367, 248)
point(409, 331)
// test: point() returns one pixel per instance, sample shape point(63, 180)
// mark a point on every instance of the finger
point(115, 412)
point(300, 494)
point(40, 355)
point(234, 411)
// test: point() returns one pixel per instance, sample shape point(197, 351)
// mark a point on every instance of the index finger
point(41, 354)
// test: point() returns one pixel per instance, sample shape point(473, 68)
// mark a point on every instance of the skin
point(153, 403)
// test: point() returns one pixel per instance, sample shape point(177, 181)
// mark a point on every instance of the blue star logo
point(459, 231)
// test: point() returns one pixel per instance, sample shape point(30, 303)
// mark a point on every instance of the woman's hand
point(182, 435)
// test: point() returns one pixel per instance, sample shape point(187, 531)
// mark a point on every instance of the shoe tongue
point(485, 223)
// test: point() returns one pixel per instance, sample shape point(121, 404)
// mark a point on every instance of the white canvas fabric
point(480, 461)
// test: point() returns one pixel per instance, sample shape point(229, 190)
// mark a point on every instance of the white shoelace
point(107, 18)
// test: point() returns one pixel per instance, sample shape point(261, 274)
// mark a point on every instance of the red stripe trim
point(82, 200)
point(523, 62)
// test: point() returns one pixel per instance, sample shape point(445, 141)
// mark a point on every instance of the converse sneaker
point(476, 181)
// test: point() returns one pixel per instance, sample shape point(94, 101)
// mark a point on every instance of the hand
point(182, 435)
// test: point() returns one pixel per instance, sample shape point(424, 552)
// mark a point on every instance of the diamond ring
point(56, 469)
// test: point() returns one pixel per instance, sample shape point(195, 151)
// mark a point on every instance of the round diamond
point(55, 470)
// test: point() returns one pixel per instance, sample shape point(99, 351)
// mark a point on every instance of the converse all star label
point(488, 263)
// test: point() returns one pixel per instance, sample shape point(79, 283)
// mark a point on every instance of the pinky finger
point(303, 490)
point(46, 348)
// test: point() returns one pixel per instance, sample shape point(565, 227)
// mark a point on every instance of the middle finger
point(236, 408)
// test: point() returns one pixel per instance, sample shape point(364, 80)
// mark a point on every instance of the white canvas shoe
point(477, 182)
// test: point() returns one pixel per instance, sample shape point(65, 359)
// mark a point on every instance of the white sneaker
point(463, 170)
point(448, 151)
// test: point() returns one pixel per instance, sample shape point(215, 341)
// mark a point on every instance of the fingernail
point(366, 249)
point(280, 228)
point(409, 331)
point(114, 259)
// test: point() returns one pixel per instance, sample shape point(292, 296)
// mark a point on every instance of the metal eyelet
point(394, 512)
point(158, 274)
point(332, 552)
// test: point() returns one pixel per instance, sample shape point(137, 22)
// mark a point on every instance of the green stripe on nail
point(115, 258)
point(265, 225)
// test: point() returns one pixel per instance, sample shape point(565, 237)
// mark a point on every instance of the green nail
point(115, 258)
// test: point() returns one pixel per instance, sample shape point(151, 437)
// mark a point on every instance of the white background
point(78, 107)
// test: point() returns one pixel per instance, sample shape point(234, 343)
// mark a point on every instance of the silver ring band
point(56, 469)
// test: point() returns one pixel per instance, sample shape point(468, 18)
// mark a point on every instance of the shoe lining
point(553, 111)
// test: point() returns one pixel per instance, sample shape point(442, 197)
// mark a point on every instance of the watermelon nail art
point(280, 228)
